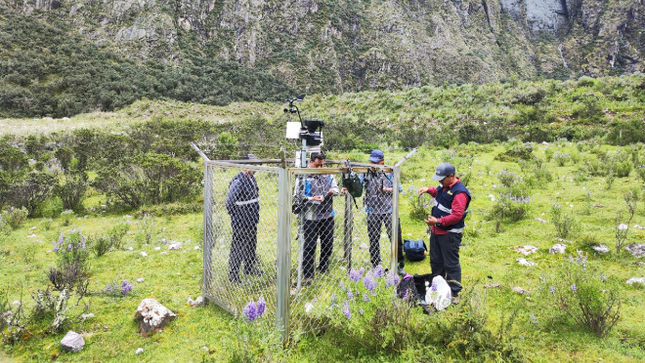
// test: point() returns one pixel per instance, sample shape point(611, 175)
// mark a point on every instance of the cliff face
point(352, 45)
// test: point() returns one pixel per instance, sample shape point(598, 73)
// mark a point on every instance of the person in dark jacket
point(447, 226)
point(318, 217)
point(378, 188)
point(243, 206)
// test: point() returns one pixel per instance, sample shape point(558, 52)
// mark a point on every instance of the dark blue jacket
point(444, 206)
point(242, 203)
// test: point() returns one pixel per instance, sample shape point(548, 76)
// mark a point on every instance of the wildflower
point(369, 283)
point(69, 246)
point(378, 271)
point(55, 249)
point(60, 238)
point(333, 298)
point(361, 311)
point(533, 319)
point(574, 288)
point(552, 290)
point(622, 227)
point(125, 287)
point(346, 311)
point(354, 275)
point(250, 310)
point(366, 298)
point(108, 288)
point(361, 271)
point(342, 286)
point(350, 295)
point(261, 306)
point(434, 286)
point(392, 279)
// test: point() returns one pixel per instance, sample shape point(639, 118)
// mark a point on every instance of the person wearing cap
point(378, 188)
point(243, 206)
point(318, 217)
point(447, 225)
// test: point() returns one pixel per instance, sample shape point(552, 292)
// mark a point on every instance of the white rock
point(143, 254)
point(163, 252)
point(309, 307)
point(87, 316)
point(638, 227)
point(521, 291)
point(525, 262)
point(32, 236)
point(196, 248)
point(139, 351)
point(638, 280)
point(174, 246)
point(72, 342)
point(152, 316)
point(195, 303)
point(32, 228)
point(525, 250)
point(601, 248)
point(636, 249)
point(140, 279)
point(15, 303)
point(540, 220)
point(130, 248)
point(559, 248)
point(157, 248)
point(492, 198)
point(363, 246)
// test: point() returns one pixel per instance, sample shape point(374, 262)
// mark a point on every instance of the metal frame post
point(208, 229)
point(348, 229)
point(284, 253)
point(395, 217)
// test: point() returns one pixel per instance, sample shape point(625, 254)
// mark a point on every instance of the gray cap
point(443, 170)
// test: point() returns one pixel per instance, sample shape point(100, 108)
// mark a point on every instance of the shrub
point(117, 233)
point(55, 308)
point(71, 270)
point(29, 192)
point(515, 153)
point(591, 299)
point(563, 222)
point(99, 245)
point(510, 207)
point(561, 158)
point(73, 190)
point(14, 217)
point(418, 204)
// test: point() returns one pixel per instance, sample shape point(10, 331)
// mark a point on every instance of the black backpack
point(352, 182)
point(414, 249)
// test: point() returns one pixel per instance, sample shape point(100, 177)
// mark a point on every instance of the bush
point(515, 153)
point(72, 191)
point(99, 245)
point(563, 222)
point(29, 192)
point(14, 217)
point(116, 235)
point(591, 299)
point(71, 270)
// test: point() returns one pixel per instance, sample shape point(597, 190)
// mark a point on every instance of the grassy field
point(539, 331)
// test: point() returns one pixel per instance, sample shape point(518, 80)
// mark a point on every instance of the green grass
point(172, 278)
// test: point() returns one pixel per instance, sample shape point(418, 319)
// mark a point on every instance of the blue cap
point(376, 156)
point(443, 170)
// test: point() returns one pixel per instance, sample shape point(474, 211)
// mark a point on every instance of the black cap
point(443, 170)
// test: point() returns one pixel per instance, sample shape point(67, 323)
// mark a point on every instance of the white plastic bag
point(439, 294)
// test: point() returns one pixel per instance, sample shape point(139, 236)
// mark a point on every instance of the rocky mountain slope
point(352, 45)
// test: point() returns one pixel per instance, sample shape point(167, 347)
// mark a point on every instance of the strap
point(247, 202)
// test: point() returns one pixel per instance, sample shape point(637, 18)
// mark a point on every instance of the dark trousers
point(324, 229)
point(374, 222)
point(245, 240)
point(444, 259)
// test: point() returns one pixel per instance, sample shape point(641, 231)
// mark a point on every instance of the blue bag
point(415, 250)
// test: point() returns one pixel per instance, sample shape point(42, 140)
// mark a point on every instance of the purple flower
point(350, 295)
point(354, 275)
point(261, 306)
point(346, 311)
point(574, 288)
point(55, 249)
point(108, 287)
point(251, 311)
point(366, 298)
point(434, 286)
point(342, 286)
point(83, 242)
point(378, 271)
point(361, 271)
point(392, 279)
point(69, 247)
point(369, 283)
point(60, 238)
point(552, 290)
point(533, 319)
point(125, 287)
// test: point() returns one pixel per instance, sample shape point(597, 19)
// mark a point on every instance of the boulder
point(175, 246)
point(601, 248)
point(152, 316)
point(72, 342)
point(638, 280)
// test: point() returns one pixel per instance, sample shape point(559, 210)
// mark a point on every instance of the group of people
point(315, 194)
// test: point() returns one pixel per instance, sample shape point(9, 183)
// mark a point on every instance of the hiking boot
point(253, 272)
point(401, 271)
point(455, 300)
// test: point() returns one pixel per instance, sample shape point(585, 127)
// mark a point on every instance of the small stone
point(140, 279)
point(540, 220)
point(525, 262)
point(638, 280)
point(492, 286)
point(559, 248)
point(163, 253)
point(204, 348)
point(638, 227)
point(196, 248)
point(174, 246)
point(525, 250)
point(87, 316)
point(636, 249)
point(16, 303)
point(601, 248)
point(521, 291)
point(157, 248)
point(72, 342)
point(130, 248)
point(143, 254)
point(139, 351)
